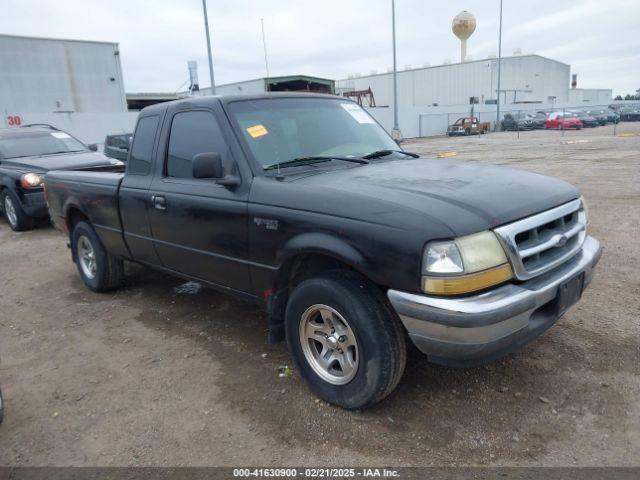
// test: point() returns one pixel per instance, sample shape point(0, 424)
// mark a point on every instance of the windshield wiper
point(384, 153)
point(298, 161)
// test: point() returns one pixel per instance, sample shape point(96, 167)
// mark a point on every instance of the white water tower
point(463, 26)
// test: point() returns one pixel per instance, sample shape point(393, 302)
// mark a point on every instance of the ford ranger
point(305, 205)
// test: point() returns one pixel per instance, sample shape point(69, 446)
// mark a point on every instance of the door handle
point(159, 202)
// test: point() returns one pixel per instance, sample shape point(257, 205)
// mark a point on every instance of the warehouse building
point(590, 96)
point(430, 98)
point(524, 79)
point(46, 75)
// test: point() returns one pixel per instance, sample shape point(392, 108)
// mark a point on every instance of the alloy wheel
point(10, 211)
point(87, 257)
point(329, 344)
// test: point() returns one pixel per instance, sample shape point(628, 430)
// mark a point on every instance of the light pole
point(395, 133)
point(499, 63)
point(206, 29)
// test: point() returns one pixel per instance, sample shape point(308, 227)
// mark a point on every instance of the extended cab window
point(140, 161)
point(192, 133)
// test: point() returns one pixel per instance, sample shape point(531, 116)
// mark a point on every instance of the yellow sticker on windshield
point(257, 131)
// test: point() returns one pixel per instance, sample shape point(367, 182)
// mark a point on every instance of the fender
point(324, 244)
point(69, 204)
point(9, 179)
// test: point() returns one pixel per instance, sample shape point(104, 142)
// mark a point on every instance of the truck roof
point(225, 99)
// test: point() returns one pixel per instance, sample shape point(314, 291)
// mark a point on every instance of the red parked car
point(562, 121)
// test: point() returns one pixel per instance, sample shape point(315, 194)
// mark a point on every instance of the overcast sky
point(332, 38)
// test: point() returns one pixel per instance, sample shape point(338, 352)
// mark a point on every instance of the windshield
point(31, 144)
point(281, 129)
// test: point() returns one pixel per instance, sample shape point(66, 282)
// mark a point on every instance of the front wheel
point(345, 339)
point(16, 217)
point(100, 271)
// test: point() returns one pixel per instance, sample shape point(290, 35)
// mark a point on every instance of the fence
point(433, 121)
point(434, 124)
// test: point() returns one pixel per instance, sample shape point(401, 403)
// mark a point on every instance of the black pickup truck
point(304, 204)
point(26, 154)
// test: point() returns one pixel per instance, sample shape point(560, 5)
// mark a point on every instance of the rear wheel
point(100, 271)
point(345, 340)
point(16, 217)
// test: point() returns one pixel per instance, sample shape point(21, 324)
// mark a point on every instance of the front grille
point(541, 242)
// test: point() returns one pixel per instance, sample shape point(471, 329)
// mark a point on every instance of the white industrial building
point(590, 96)
point(46, 75)
point(430, 98)
point(524, 79)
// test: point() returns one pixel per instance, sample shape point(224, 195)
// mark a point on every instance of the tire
point(374, 339)
point(467, 132)
point(15, 216)
point(100, 271)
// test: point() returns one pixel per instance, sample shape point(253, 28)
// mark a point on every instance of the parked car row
point(559, 119)
point(629, 113)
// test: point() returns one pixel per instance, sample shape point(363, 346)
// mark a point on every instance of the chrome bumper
point(476, 329)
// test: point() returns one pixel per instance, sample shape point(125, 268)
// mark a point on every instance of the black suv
point(26, 154)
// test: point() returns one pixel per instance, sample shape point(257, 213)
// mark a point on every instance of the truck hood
point(466, 198)
point(66, 161)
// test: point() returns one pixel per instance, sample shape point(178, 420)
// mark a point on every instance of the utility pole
point(499, 63)
point(206, 29)
point(395, 133)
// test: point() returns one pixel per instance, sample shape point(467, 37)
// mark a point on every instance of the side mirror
point(93, 147)
point(207, 165)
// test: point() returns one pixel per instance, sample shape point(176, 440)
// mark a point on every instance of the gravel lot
point(157, 375)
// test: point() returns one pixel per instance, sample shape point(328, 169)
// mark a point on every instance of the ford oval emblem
point(560, 240)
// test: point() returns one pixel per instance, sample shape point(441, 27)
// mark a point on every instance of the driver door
point(199, 227)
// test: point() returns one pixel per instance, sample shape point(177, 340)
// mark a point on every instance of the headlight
point(464, 265)
point(442, 257)
point(30, 180)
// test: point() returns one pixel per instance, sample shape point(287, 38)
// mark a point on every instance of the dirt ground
point(154, 374)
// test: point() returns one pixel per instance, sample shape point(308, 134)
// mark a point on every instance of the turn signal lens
point(467, 283)
point(30, 180)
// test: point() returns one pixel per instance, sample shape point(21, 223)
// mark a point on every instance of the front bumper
point(477, 329)
point(34, 204)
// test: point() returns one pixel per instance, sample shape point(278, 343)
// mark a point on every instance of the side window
point(192, 133)
point(140, 161)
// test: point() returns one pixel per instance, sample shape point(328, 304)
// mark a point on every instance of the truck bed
point(92, 194)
